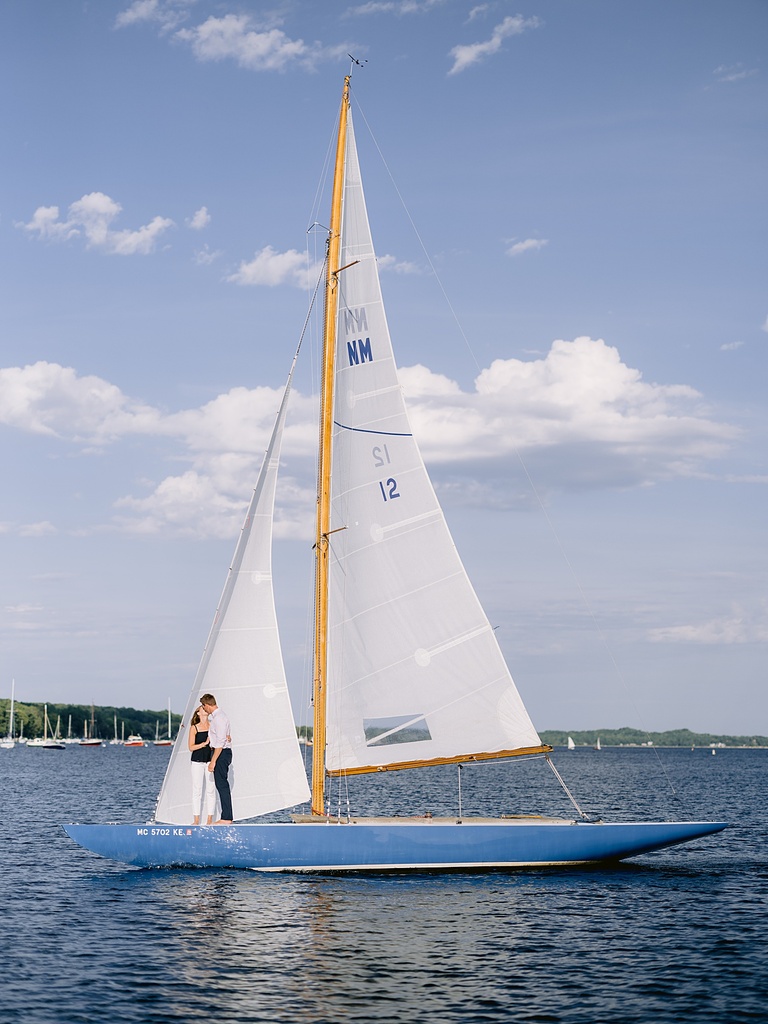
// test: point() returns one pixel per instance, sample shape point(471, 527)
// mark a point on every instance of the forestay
point(415, 673)
point(242, 666)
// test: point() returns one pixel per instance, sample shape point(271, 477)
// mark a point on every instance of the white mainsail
point(242, 666)
point(415, 672)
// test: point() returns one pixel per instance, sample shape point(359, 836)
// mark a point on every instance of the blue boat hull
point(406, 845)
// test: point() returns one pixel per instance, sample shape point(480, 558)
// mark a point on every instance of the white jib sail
point(242, 666)
point(414, 671)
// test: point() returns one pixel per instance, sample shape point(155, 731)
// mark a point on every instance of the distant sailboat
point(115, 742)
point(167, 741)
point(597, 744)
point(47, 742)
point(69, 738)
point(408, 672)
point(89, 738)
point(8, 742)
point(571, 744)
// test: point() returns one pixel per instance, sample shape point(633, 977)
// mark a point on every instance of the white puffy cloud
point(395, 6)
point(45, 398)
point(529, 245)
point(210, 501)
point(91, 217)
point(25, 618)
point(578, 416)
point(391, 263)
point(237, 422)
point(53, 400)
point(733, 73)
point(221, 444)
point(167, 14)
point(237, 37)
point(464, 56)
point(205, 256)
point(253, 42)
point(191, 502)
point(269, 267)
point(46, 225)
point(41, 529)
point(742, 626)
point(139, 10)
point(200, 219)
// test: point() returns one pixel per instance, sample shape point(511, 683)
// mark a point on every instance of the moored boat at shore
point(46, 742)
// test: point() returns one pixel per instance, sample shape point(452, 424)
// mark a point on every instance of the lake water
point(673, 936)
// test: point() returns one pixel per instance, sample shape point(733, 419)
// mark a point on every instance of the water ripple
point(673, 937)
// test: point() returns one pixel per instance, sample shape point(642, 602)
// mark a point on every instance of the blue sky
point(568, 203)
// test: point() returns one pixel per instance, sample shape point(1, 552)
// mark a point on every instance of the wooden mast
point(324, 465)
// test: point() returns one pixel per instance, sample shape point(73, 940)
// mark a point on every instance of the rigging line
point(306, 696)
point(567, 791)
point(306, 669)
point(320, 279)
point(346, 793)
point(428, 258)
point(323, 178)
point(311, 260)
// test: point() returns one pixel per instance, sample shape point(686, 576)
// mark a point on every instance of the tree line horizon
point(148, 722)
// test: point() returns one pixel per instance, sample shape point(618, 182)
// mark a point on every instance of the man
point(221, 745)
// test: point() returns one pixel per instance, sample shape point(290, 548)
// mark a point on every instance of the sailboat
point(115, 742)
point(166, 741)
point(407, 670)
point(571, 743)
point(89, 739)
point(8, 742)
point(52, 742)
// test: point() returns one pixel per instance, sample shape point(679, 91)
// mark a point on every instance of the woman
point(203, 785)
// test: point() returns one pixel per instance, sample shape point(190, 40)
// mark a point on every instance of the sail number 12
point(381, 458)
point(389, 489)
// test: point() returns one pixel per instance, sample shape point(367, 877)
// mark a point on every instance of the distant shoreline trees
point(627, 737)
point(77, 716)
point(132, 720)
